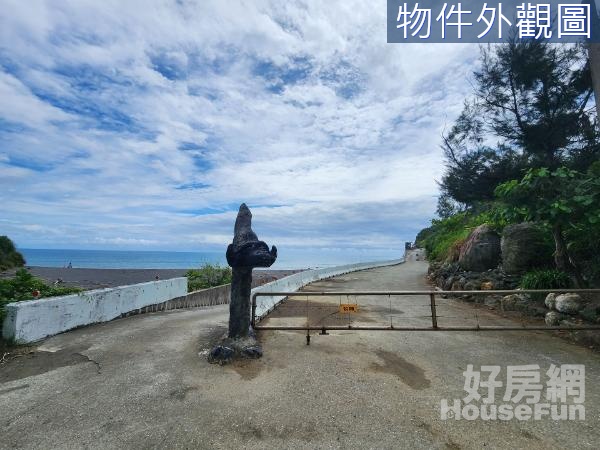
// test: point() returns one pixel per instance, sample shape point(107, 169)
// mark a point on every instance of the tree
point(447, 206)
point(562, 199)
point(532, 107)
point(9, 256)
point(470, 178)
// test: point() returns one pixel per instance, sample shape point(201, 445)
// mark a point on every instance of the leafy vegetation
point(532, 106)
point(443, 239)
point(545, 279)
point(25, 286)
point(561, 199)
point(525, 148)
point(9, 256)
point(209, 275)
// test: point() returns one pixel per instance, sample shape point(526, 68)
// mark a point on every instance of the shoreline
point(88, 279)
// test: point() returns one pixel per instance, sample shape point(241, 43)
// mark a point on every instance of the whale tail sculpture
point(243, 254)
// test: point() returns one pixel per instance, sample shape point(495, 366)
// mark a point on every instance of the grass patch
point(545, 279)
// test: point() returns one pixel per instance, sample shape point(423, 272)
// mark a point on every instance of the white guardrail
point(301, 279)
point(30, 321)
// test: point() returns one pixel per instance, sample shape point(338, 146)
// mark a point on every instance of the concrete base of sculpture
point(235, 348)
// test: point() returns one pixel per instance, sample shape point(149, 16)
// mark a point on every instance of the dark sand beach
point(103, 278)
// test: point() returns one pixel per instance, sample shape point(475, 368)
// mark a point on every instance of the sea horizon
point(165, 259)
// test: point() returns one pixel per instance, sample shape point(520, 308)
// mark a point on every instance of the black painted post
point(239, 305)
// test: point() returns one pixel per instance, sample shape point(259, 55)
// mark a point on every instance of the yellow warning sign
point(346, 308)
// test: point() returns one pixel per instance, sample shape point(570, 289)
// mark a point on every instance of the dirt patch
point(36, 363)
point(409, 373)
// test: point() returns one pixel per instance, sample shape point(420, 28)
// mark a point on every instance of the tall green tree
point(532, 106)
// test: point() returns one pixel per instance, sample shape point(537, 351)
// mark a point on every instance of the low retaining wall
point(294, 282)
point(33, 320)
point(214, 296)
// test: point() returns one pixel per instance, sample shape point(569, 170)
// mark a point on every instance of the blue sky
point(144, 124)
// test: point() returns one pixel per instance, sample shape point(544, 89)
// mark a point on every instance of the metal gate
point(431, 315)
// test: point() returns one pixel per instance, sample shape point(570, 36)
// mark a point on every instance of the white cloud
point(300, 105)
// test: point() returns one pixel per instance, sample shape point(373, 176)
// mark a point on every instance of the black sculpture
point(243, 254)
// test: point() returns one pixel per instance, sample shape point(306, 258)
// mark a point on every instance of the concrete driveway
point(143, 382)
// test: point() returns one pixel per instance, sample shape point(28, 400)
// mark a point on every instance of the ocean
point(120, 259)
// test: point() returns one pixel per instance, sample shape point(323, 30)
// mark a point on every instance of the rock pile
point(556, 308)
point(566, 309)
point(452, 277)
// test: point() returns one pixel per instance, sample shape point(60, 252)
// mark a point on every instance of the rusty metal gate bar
point(432, 296)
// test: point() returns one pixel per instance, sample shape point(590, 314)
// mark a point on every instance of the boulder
point(591, 313)
point(569, 303)
point(447, 284)
point(524, 247)
point(515, 302)
point(481, 250)
point(487, 286)
point(554, 318)
point(550, 301)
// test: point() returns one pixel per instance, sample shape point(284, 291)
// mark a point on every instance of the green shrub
point(209, 275)
point(443, 235)
point(545, 279)
point(22, 287)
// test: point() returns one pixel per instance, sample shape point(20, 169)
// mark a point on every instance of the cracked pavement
point(144, 382)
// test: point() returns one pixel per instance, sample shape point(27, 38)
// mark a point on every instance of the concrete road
point(143, 382)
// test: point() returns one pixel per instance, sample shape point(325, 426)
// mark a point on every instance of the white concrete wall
point(33, 320)
point(298, 280)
